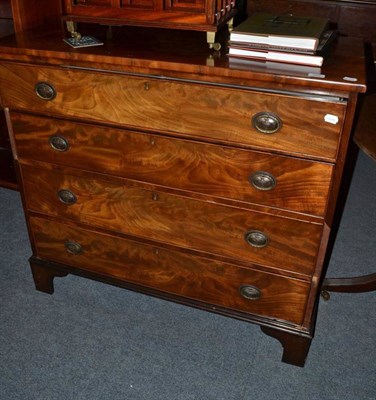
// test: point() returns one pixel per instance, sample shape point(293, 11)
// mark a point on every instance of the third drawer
point(217, 229)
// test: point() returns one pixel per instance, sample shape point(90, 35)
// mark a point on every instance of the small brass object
point(262, 180)
point(59, 143)
point(210, 39)
point(256, 238)
point(325, 295)
point(45, 91)
point(73, 247)
point(250, 292)
point(266, 122)
point(155, 196)
point(230, 22)
point(71, 28)
point(66, 197)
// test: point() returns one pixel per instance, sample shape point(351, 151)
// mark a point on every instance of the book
point(277, 56)
point(275, 67)
point(84, 41)
point(281, 30)
point(327, 39)
point(277, 53)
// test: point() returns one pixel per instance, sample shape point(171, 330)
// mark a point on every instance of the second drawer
point(226, 172)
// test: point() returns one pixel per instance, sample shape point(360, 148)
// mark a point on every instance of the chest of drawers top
point(185, 55)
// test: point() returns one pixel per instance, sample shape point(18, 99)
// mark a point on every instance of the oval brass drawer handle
point(73, 247)
point(58, 143)
point(262, 180)
point(250, 292)
point(266, 122)
point(45, 91)
point(256, 238)
point(67, 197)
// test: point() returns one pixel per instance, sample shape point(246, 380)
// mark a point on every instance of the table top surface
point(186, 54)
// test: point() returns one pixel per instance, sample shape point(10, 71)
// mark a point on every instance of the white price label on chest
point(331, 119)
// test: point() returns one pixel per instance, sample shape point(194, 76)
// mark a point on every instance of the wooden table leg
point(365, 138)
point(358, 284)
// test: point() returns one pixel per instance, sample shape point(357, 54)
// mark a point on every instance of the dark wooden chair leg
point(295, 347)
point(43, 276)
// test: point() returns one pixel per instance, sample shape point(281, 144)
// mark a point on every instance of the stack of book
point(282, 39)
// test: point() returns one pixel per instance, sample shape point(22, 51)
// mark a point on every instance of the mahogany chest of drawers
point(209, 186)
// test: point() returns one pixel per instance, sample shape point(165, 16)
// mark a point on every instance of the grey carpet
point(94, 341)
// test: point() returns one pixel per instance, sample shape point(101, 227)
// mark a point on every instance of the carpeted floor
point(94, 341)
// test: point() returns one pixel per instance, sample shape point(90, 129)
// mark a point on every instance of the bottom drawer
point(213, 282)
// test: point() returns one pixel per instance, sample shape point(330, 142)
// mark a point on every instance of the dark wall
point(5, 9)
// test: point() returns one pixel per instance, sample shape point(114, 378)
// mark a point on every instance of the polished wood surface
point(154, 214)
point(295, 347)
point(218, 171)
point(43, 277)
point(164, 53)
point(172, 271)
point(161, 140)
point(175, 107)
point(358, 284)
point(45, 14)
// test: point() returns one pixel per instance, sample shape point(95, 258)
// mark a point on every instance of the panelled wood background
point(352, 18)
point(343, 13)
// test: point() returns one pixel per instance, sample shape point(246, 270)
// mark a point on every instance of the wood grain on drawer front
point(193, 277)
point(301, 185)
point(181, 221)
point(197, 110)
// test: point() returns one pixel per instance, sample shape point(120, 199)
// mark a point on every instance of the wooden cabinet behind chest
point(180, 14)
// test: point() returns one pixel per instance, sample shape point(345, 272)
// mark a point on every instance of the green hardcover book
point(301, 32)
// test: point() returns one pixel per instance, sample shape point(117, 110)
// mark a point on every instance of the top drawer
point(229, 115)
